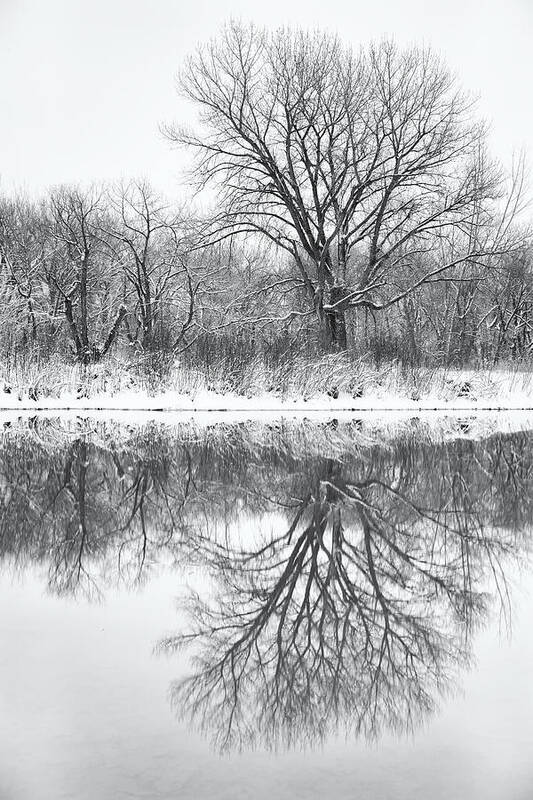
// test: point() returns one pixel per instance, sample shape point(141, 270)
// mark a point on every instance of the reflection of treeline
point(74, 495)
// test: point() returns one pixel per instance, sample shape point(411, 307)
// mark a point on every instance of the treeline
point(87, 271)
point(84, 273)
point(356, 208)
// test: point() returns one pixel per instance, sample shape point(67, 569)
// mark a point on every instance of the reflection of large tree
point(360, 611)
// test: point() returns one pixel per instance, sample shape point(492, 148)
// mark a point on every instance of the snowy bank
point(330, 386)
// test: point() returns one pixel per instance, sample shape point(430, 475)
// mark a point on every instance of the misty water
point(292, 609)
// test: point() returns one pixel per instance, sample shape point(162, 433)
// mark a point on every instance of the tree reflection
point(360, 613)
point(91, 508)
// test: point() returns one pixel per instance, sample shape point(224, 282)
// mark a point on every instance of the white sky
point(85, 83)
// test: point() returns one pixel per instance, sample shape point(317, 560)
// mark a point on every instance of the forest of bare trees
point(352, 205)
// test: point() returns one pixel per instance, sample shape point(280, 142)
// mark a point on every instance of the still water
point(284, 610)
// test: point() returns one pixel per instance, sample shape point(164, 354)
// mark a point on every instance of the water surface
point(295, 609)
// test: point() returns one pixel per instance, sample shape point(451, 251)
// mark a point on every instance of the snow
point(507, 399)
point(381, 415)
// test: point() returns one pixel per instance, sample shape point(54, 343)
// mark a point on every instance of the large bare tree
point(358, 164)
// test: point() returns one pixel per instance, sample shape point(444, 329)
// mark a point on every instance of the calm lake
point(292, 609)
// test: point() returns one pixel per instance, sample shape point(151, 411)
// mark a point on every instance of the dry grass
point(299, 377)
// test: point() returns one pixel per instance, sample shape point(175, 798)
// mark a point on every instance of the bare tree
point(23, 245)
point(510, 306)
point(357, 164)
point(78, 267)
point(153, 256)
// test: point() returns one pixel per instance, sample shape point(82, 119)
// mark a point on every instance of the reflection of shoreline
point(434, 424)
point(356, 613)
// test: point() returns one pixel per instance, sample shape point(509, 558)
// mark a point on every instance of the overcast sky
point(85, 83)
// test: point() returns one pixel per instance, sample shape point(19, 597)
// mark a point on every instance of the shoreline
point(229, 403)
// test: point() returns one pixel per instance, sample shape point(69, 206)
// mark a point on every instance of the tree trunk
point(113, 332)
point(84, 326)
point(148, 321)
point(336, 321)
point(69, 314)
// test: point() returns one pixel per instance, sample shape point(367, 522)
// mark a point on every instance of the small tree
point(23, 242)
point(151, 245)
point(79, 268)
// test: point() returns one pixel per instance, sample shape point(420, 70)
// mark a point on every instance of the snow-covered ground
point(461, 391)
